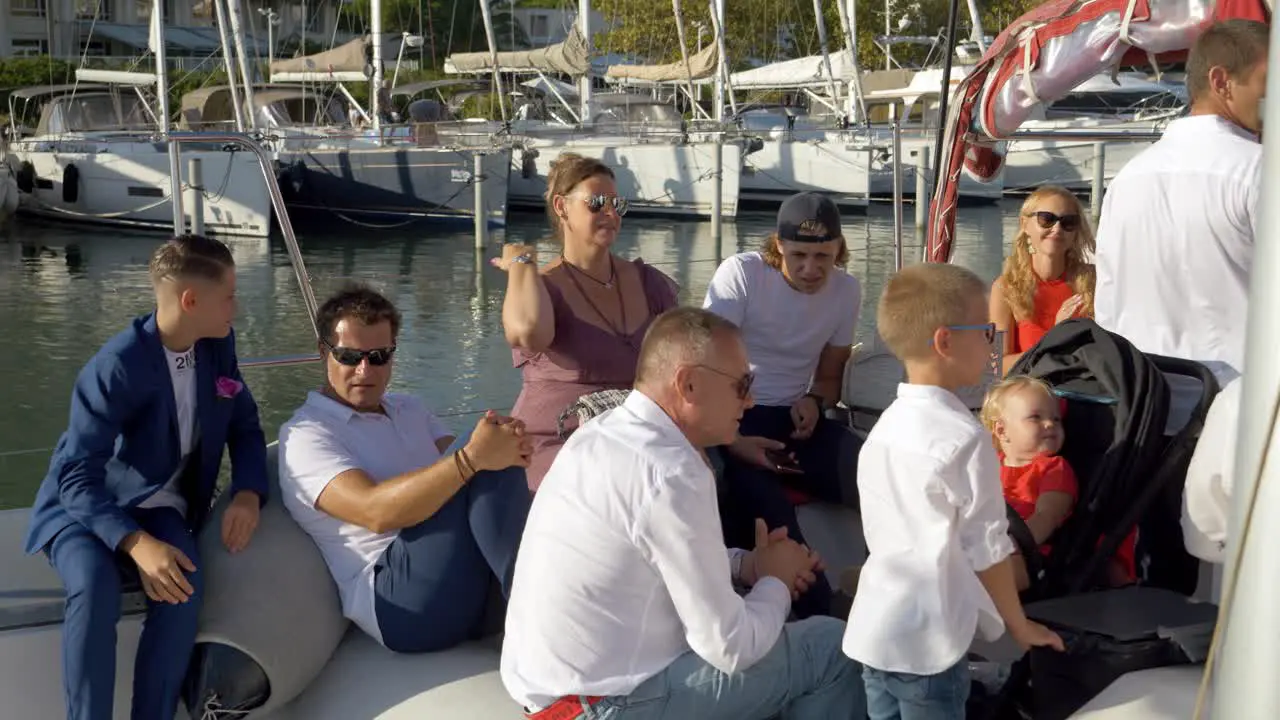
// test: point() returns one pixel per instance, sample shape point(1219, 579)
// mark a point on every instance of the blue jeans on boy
point(805, 676)
point(903, 696)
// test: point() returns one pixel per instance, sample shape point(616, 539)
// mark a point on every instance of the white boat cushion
point(275, 600)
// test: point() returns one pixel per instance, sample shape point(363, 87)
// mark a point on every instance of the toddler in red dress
point(1025, 420)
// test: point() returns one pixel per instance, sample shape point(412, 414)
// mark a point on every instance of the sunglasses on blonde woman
point(1046, 220)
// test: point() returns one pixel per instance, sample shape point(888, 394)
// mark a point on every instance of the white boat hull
point(783, 167)
point(913, 149)
point(126, 183)
point(1031, 163)
point(660, 178)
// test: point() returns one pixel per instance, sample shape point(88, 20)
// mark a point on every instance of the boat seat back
point(31, 593)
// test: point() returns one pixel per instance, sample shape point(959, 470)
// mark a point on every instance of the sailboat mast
point(847, 24)
point(826, 57)
point(722, 69)
point(976, 19)
point(375, 96)
point(684, 56)
point(584, 83)
point(228, 62)
point(162, 91)
point(487, 16)
point(237, 34)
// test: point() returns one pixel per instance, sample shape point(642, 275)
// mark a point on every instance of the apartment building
point(119, 28)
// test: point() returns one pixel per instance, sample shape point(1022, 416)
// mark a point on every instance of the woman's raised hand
point(1069, 308)
point(511, 252)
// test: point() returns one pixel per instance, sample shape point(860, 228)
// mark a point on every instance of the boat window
point(1115, 102)
point(652, 113)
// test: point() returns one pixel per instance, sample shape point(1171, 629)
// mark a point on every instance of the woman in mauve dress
point(575, 324)
point(1047, 277)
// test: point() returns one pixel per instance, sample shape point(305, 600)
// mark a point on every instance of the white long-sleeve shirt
point(622, 567)
point(933, 515)
point(1206, 499)
point(1175, 250)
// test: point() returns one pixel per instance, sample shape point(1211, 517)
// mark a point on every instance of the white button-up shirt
point(324, 439)
point(1206, 499)
point(1175, 248)
point(622, 567)
point(933, 515)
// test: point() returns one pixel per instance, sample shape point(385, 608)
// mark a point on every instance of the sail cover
point(346, 61)
point(701, 65)
point(569, 58)
point(802, 72)
point(1040, 58)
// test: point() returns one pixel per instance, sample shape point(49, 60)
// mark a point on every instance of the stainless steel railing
point(277, 204)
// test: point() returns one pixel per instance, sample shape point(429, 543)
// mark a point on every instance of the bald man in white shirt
point(623, 605)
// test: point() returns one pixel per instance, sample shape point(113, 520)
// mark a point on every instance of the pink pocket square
point(228, 388)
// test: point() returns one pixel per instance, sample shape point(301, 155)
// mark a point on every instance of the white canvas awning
point(569, 58)
point(703, 64)
point(798, 73)
point(345, 63)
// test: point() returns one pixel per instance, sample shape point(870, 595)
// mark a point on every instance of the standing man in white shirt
point(1176, 235)
point(412, 523)
point(623, 605)
point(798, 309)
point(1175, 247)
point(933, 509)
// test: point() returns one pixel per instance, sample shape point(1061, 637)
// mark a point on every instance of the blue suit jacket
point(122, 444)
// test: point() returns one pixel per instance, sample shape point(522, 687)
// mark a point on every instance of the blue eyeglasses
point(989, 329)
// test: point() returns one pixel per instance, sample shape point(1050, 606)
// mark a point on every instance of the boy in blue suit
point(132, 479)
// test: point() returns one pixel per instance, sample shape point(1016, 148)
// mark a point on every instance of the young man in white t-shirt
point(412, 523)
point(798, 310)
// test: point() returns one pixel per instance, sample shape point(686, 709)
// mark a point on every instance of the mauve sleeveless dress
point(583, 359)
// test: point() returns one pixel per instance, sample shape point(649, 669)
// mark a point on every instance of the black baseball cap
point(808, 207)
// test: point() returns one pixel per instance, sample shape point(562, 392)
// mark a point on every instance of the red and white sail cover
point(1040, 58)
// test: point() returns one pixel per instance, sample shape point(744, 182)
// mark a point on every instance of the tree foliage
point(761, 31)
point(447, 26)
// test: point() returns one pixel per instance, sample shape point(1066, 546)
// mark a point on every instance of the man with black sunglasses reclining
point(412, 522)
point(797, 308)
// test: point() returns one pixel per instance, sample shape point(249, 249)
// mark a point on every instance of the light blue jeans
point(805, 676)
point(902, 696)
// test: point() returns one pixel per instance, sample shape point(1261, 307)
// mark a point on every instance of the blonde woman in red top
point(1047, 277)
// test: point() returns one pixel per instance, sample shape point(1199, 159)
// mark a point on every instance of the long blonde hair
point(1019, 278)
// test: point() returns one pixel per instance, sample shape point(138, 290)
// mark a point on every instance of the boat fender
point(70, 183)
point(528, 168)
point(26, 177)
point(271, 617)
point(293, 179)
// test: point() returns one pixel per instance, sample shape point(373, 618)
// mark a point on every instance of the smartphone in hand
point(783, 461)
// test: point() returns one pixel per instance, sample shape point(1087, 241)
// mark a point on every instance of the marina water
point(65, 290)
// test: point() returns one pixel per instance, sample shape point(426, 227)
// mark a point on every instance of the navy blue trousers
point(431, 585)
point(91, 574)
point(829, 460)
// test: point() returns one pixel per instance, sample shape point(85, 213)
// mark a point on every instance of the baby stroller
point(1130, 474)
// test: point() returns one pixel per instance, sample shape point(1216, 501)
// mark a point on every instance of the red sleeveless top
point(1050, 294)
